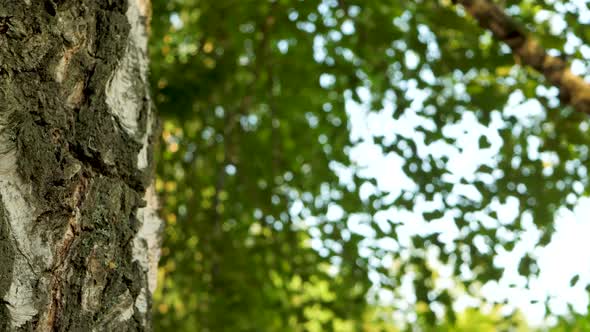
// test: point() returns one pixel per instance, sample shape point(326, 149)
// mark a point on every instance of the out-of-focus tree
point(246, 138)
point(257, 178)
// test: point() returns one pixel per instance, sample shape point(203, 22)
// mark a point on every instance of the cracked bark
point(79, 232)
point(573, 89)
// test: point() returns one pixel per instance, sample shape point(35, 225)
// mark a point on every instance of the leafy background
point(274, 219)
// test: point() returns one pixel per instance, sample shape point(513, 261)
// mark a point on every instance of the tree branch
point(573, 89)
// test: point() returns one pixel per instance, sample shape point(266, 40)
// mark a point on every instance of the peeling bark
point(79, 231)
point(573, 89)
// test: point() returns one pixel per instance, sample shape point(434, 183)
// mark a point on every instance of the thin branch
point(573, 89)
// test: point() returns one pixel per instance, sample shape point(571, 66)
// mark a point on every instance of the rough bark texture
point(573, 89)
point(78, 223)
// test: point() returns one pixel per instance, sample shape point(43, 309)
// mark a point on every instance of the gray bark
point(78, 224)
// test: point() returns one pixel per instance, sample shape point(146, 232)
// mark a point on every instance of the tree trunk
point(78, 224)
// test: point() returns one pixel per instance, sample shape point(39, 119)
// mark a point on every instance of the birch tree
point(78, 223)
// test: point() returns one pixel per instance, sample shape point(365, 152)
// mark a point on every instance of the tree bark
point(573, 89)
point(78, 223)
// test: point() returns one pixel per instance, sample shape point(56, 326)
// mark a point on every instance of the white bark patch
point(94, 282)
point(122, 94)
point(142, 157)
point(60, 69)
point(126, 314)
point(75, 97)
point(62, 64)
point(7, 156)
point(146, 244)
point(20, 294)
point(121, 311)
point(141, 303)
point(21, 216)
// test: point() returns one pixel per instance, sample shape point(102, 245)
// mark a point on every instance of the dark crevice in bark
point(93, 160)
point(4, 22)
point(49, 7)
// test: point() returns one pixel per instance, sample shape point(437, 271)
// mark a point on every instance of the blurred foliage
point(472, 320)
point(573, 323)
point(254, 96)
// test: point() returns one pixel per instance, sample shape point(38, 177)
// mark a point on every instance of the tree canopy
point(274, 222)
